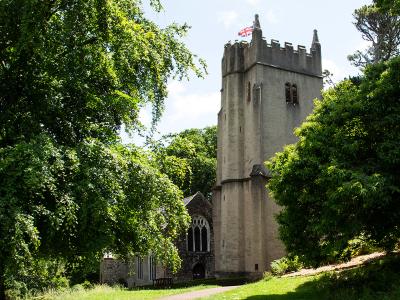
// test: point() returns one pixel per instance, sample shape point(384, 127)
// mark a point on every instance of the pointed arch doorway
point(199, 271)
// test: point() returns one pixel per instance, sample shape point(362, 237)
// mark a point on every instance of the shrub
point(359, 246)
point(267, 276)
point(380, 277)
point(285, 265)
point(42, 274)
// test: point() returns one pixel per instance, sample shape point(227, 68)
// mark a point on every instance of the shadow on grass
point(378, 280)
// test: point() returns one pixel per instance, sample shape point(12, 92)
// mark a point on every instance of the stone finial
point(315, 39)
point(256, 23)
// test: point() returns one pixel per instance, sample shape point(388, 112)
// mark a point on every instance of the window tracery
point(198, 236)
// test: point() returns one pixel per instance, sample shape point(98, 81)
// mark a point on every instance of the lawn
point(274, 289)
point(103, 292)
point(378, 281)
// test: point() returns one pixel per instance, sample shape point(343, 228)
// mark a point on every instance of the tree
point(392, 6)
point(382, 29)
point(189, 158)
point(341, 180)
point(77, 203)
point(71, 73)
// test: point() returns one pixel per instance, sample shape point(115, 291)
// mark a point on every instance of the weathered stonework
point(113, 271)
point(255, 121)
point(196, 205)
point(117, 271)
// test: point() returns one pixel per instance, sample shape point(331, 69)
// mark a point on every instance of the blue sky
point(195, 103)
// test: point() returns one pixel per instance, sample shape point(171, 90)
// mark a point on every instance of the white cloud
point(195, 106)
point(175, 88)
point(331, 66)
point(186, 109)
point(227, 18)
point(183, 105)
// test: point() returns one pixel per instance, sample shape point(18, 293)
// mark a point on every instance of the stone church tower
point(267, 91)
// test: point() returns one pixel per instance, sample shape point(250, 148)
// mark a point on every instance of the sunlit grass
point(104, 292)
point(275, 288)
point(378, 280)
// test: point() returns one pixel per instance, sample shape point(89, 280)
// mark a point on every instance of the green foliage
point(77, 203)
point(71, 73)
point(392, 6)
point(379, 26)
point(189, 158)
point(341, 180)
point(38, 275)
point(286, 265)
point(379, 280)
point(80, 68)
point(358, 246)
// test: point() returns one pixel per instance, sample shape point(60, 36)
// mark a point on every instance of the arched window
point(287, 93)
point(198, 237)
point(291, 93)
point(190, 239)
point(204, 238)
point(295, 97)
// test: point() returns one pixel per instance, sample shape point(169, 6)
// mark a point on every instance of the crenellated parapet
point(233, 60)
point(241, 56)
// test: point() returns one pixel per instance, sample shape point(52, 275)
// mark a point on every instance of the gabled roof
point(187, 200)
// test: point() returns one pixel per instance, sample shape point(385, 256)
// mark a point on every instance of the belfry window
point(291, 93)
point(198, 236)
point(287, 93)
point(295, 98)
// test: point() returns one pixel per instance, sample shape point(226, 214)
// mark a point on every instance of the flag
point(246, 31)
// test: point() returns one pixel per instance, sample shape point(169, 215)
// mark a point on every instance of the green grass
point(103, 292)
point(275, 288)
point(378, 281)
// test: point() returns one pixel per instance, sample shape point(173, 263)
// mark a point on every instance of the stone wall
point(255, 122)
point(198, 206)
point(113, 271)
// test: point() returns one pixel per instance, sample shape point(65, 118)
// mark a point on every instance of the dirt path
point(199, 293)
point(359, 260)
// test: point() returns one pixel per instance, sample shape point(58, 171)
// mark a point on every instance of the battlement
point(240, 56)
